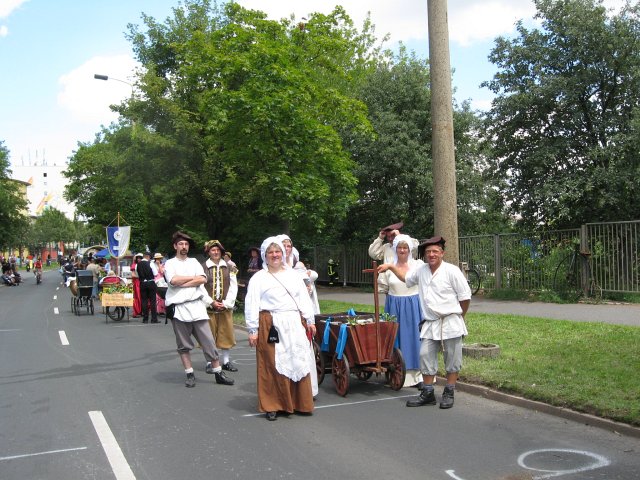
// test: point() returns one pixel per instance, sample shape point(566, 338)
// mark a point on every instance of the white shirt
point(440, 296)
point(190, 302)
point(267, 293)
point(392, 285)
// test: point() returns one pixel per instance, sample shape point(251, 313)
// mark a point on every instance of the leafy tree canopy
point(13, 205)
point(394, 169)
point(235, 128)
point(52, 227)
point(564, 124)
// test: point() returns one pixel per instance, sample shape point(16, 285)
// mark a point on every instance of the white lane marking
point(119, 465)
point(599, 462)
point(55, 310)
point(343, 404)
point(452, 474)
point(63, 337)
point(42, 453)
point(55, 297)
point(11, 330)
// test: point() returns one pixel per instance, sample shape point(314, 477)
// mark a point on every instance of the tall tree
point(109, 178)
point(252, 110)
point(394, 168)
point(237, 116)
point(53, 227)
point(13, 205)
point(564, 121)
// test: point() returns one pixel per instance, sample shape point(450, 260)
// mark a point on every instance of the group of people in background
point(428, 297)
point(280, 308)
point(11, 276)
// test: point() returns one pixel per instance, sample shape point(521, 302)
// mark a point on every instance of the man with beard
point(186, 292)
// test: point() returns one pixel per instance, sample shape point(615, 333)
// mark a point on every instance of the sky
point(50, 51)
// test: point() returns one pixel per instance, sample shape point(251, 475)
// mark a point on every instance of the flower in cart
point(117, 288)
point(387, 317)
point(351, 317)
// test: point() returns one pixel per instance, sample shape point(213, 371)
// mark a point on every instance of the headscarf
point(294, 251)
point(397, 240)
point(265, 244)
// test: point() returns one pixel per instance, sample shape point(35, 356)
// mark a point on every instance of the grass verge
point(585, 366)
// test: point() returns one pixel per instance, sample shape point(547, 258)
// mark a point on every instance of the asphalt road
point(81, 398)
point(617, 313)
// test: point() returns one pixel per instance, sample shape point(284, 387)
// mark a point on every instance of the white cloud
point(480, 21)
point(4, 31)
point(88, 99)
point(8, 6)
point(404, 20)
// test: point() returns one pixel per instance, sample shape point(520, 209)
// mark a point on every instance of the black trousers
point(148, 297)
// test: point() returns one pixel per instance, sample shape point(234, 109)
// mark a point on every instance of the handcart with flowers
point(116, 299)
point(361, 344)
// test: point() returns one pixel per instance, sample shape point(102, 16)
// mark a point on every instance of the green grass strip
point(585, 366)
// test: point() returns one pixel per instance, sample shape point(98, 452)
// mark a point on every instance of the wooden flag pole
point(377, 312)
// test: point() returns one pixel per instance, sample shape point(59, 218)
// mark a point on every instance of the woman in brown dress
point(277, 304)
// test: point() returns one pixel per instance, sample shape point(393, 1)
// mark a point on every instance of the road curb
point(568, 414)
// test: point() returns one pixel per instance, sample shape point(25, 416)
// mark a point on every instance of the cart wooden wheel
point(340, 371)
point(319, 361)
point(396, 370)
point(363, 375)
point(115, 313)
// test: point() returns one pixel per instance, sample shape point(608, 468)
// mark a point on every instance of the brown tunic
point(277, 393)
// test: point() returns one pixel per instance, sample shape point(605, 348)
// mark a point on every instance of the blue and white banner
point(118, 240)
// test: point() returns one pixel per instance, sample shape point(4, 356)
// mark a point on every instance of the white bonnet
point(265, 244)
point(402, 238)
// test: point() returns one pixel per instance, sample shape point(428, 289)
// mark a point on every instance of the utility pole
point(445, 208)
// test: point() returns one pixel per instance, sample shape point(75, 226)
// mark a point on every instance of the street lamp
point(97, 76)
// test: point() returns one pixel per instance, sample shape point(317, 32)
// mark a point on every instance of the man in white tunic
point(190, 299)
point(444, 300)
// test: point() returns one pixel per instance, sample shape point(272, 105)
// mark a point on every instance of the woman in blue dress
point(404, 303)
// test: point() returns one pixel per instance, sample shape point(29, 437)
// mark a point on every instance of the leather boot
point(425, 398)
point(447, 398)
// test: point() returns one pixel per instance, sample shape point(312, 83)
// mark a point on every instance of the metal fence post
point(344, 266)
point(584, 260)
point(498, 259)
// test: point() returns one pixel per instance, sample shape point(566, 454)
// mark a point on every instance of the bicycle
point(38, 275)
point(567, 279)
point(473, 278)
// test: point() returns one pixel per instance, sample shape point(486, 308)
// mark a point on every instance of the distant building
point(45, 185)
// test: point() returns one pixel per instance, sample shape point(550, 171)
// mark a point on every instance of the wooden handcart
point(361, 344)
point(116, 306)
